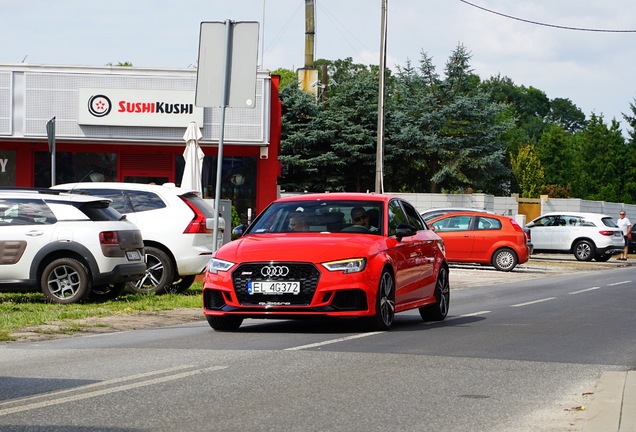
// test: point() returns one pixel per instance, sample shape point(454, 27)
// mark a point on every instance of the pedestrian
point(626, 228)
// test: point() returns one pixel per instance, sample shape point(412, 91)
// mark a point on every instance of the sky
point(596, 70)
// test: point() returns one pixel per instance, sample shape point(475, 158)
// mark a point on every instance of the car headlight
point(217, 265)
point(353, 265)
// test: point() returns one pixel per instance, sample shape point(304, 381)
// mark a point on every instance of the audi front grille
point(306, 274)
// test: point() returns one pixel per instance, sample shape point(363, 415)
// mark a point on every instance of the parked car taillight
point(198, 224)
point(108, 237)
point(516, 226)
point(606, 232)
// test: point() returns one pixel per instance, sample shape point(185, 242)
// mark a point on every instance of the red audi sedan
point(329, 255)
point(477, 237)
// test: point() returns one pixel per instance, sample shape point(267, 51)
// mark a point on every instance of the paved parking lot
point(539, 265)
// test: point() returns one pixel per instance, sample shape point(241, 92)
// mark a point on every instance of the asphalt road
point(519, 356)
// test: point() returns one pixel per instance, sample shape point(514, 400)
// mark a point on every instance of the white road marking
point(533, 302)
point(584, 290)
point(60, 400)
point(331, 341)
point(474, 314)
point(619, 283)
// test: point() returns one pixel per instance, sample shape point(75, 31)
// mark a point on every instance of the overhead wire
point(546, 24)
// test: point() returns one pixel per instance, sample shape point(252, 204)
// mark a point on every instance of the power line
point(545, 24)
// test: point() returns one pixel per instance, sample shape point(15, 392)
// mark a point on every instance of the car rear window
point(145, 201)
point(100, 211)
point(608, 221)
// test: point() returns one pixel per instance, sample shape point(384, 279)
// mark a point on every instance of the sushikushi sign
point(126, 107)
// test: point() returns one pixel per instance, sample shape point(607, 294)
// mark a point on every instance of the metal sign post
point(50, 133)
point(226, 76)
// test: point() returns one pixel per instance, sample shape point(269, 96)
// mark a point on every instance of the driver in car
point(360, 217)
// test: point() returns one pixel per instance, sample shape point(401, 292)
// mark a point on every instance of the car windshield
point(320, 216)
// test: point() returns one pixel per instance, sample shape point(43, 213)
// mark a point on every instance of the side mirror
point(404, 230)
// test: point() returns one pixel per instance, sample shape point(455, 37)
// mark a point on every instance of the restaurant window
point(7, 167)
point(74, 167)
point(238, 179)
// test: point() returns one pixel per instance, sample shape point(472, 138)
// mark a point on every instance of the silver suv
point(587, 235)
point(176, 224)
point(69, 246)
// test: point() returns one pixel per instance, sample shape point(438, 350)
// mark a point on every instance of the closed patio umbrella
point(193, 156)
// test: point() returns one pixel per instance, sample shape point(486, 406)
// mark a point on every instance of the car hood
point(313, 247)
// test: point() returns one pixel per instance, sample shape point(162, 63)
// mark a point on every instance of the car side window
point(487, 223)
point(396, 216)
point(413, 216)
point(144, 201)
point(546, 221)
point(25, 212)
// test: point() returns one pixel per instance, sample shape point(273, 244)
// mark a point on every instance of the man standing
point(626, 227)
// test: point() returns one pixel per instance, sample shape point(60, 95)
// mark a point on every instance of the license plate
point(273, 287)
point(133, 255)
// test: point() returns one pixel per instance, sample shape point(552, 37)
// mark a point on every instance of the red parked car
point(356, 255)
point(477, 237)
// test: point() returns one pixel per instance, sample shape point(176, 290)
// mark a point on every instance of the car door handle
point(35, 233)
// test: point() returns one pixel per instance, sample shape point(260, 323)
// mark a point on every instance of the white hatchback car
point(176, 224)
point(69, 246)
point(587, 235)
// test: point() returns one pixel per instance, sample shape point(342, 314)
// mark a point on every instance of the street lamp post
point(379, 155)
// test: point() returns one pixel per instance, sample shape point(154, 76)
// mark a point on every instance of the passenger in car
point(360, 217)
point(297, 222)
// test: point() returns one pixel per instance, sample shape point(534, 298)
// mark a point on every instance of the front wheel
point(384, 305)
point(438, 310)
point(584, 250)
point(159, 273)
point(65, 280)
point(504, 259)
point(224, 323)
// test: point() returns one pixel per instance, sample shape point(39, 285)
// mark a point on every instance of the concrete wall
point(509, 206)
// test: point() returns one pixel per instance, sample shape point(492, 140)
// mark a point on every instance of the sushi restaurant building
point(127, 124)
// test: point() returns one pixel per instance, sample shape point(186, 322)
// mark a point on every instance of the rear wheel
point(504, 259)
point(602, 258)
point(384, 305)
point(224, 323)
point(65, 280)
point(438, 310)
point(106, 292)
point(584, 250)
point(182, 284)
point(159, 273)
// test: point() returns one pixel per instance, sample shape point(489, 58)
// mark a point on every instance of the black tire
point(384, 305)
point(182, 284)
point(65, 280)
point(106, 292)
point(438, 310)
point(225, 323)
point(505, 259)
point(602, 258)
point(159, 273)
point(584, 250)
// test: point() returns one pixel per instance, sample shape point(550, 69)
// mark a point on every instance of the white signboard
point(126, 107)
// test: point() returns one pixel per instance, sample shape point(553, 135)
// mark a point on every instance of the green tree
point(556, 152)
point(287, 77)
point(459, 127)
point(527, 168)
point(599, 160)
point(567, 115)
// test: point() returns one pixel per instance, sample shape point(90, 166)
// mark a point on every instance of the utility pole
point(379, 155)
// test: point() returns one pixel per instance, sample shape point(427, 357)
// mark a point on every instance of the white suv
point(69, 246)
point(587, 235)
point(176, 224)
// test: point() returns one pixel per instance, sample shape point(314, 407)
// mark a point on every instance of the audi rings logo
point(272, 271)
point(99, 105)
